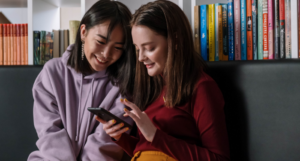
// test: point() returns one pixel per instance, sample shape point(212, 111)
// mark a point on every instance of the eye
point(118, 48)
point(152, 49)
point(100, 42)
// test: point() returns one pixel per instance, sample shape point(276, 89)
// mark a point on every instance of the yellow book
point(220, 28)
point(211, 32)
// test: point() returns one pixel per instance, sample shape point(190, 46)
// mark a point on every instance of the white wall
point(200, 2)
point(46, 16)
point(15, 15)
point(135, 4)
point(67, 14)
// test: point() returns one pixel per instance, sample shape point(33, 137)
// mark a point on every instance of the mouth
point(100, 60)
point(149, 65)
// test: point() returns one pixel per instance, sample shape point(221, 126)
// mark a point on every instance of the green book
point(42, 47)
point(260, 30)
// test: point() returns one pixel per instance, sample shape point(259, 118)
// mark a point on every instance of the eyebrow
point(103, 37)
point(147, 43)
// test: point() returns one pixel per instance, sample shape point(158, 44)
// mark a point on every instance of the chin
point(153, 73)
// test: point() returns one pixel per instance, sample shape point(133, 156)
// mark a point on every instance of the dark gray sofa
point(262, 109)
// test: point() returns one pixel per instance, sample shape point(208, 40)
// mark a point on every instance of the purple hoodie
point(67, 131)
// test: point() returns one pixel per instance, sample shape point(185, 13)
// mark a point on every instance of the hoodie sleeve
point(53, 141)
point(99, 145)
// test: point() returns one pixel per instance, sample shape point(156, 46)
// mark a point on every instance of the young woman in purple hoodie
point(96, 71)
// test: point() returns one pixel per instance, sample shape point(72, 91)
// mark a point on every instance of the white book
point(294, 30)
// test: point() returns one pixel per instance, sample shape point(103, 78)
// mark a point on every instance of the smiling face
point(99, 51)
point(152, 49)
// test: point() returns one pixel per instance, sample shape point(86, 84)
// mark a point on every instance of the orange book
point(8, 44)
point(22, 44)
point(11, 44)
point(4, 44)
point(18, 44)
point(1, 44)
point(26, 44)
point(15, 43)
point(249, 31)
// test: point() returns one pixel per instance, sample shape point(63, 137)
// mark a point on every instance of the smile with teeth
point(100, 59)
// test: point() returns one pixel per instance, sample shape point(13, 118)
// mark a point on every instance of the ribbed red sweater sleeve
point(209, 115)
point(128, 143)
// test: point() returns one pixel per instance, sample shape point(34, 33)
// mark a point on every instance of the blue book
point(203, 32)
point(217, 32)
point(230, 31)
point(254, 29)
point(243, 30)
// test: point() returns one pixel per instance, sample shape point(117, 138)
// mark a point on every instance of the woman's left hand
point(141, 119)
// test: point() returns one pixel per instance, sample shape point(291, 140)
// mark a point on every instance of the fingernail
point(122, 124)
point(125, 109)
point(124, 114)
point(121, 99)
point(113, 121)
point(127, 128)
point(126, 100)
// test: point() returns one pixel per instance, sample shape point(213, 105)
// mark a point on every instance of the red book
point(249, 31)
point(4, 44)
point(8, 44)
point(18, 44)
point(26, 44)
point(22, 43)
point(1, 44)
point(11, 44)
point(15, 43)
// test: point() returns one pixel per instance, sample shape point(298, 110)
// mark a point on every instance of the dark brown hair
point(121, 73)
point(184, 65)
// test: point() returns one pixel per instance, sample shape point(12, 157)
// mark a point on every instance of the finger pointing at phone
point(141, 119)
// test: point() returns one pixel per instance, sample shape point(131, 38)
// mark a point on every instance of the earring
point(82, 52)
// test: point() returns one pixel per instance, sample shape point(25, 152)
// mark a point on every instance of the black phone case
point(107, 116)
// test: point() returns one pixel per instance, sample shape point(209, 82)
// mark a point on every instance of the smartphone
point(107, 116)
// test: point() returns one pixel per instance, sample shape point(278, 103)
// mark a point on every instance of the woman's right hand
point(114, 131)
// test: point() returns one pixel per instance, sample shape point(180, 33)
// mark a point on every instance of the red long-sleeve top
point(193, 132)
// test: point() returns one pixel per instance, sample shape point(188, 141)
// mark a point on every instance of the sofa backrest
point(262, 107)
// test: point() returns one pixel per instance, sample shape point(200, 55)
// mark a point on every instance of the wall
point(15, 15)
point(67, 14)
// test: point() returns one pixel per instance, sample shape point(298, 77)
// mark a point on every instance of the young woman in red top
point(177, 107)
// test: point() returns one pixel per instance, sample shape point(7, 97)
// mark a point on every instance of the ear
point(83, 32)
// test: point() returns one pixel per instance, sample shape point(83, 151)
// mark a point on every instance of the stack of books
point(248, 30)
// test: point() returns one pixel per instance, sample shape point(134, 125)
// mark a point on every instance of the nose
point(106, 51)
point(142, 56)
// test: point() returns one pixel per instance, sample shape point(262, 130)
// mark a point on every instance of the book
point(217, 31)
point(15, 43)
point(270, 29)
point(288, 50)
point(8, 37)
point(254, 29)
point(196, 29)
point(26, 44)
point(260, 30)
point(22, 31)
point(12, 52)
point(66, 39)
point(231, 43)
point(74, 26)
point(299, 28)
point(282, 28)
point(220, 27)
point(249, 31)
point(4, 44)
point(42, 47)
point(276, 29)
point(1, 44)
point(225, 32)
point(203, 31)
point(211, 32)
point(294, 29)
point(18, 30)
point(237, 30)
point(56, 44)
point(61, 42)
point(47, 47)
point(36, 47)
point(243, 30)
point(265, 30)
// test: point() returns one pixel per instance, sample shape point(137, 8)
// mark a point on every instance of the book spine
point(203, 9)
point(11, 28)
point(196, 29)
point(276, 30)
point(225, 32)
point(270, 29)
point(211, 29)
point(18, 44)
point(1, 44)
point(237, 29)
point(254, 28)
point(47, 46)
point(8, 44)
point(74, 25)
point(260, 30)
point(220, 26)
point(26, 44)
point(51, 45)
point(243, 30)
point(216, 32)
point(249, 31)
point(294, 30)
point(231, 43)
point(22, 44)
point(36, 46)
point(265, 29)
point(15, 44)
point(42, 47)
point(288, 52)
point(282, 28)
point(61, 42)
point(299, 28)
point(4, 44)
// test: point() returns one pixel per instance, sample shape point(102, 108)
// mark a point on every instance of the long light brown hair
point(184, 65)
